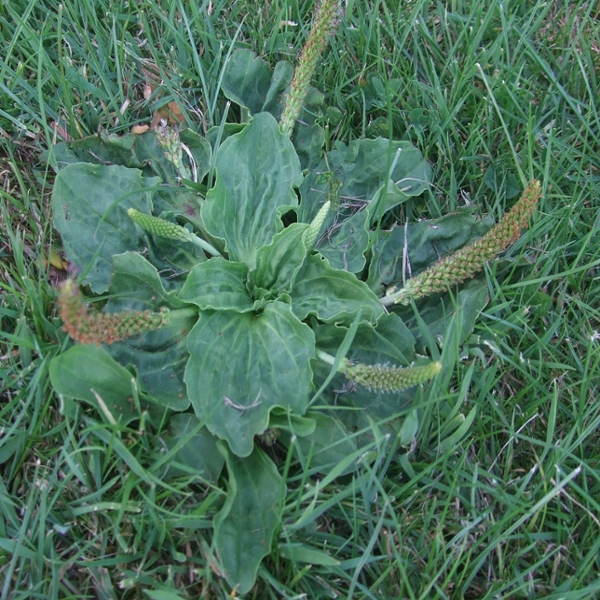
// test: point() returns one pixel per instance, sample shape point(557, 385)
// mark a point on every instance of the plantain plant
point(240, 289)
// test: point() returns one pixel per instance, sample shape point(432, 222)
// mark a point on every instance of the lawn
point(491, 487)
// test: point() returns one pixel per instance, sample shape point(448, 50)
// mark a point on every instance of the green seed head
point(385, 378)
point(159, 227)
point(168, 139)
point(323, 24)
point(468, 261)
point(312, 233)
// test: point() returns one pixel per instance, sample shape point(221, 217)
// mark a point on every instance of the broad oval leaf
point(90, 374)
point(249, 81)
point(278, 263)
point(134, 151)
point(246, 79)
point(159, 357)
point(327, 445)
point(345, 246)
point(241, 365)
point(218, 284)
point(332, 295)
point(438, 312)
point(245, 526)
point(102, 148)
point(366, 166)
point(295, 424)
point(195, 448)
point(136, 285)
point(375, 176)
point(90, 205)
point(257, 170)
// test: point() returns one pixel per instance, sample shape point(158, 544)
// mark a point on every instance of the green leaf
point(134, 151)
point(197, 451)
point(425, 243)
point(136, 285)
point(306, 554)
point(367, 192)
point(159, 357)
point(149, 153)
point(278, 263)
point(332, 295)
point(500, 181)
point(308, 136)
point(437, 312)
point(83, 370)
point(218, 284)
point(242, 365)
point(282, 77)
point(295, 424)
point(345, 246)
point(102, 149)
point(245, 526)
point(410, 428)
point(174, 196)
point(90, 205)
point(171, 195)
point(257, 170)
point(145, 153)
point(249, 81)
point(363, 168)
point(219, 133)
point(327, 445)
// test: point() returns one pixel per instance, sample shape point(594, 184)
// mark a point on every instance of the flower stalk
point(324, 23)
point(468, 261)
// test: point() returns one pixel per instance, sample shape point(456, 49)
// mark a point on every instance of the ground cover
point(493, 489)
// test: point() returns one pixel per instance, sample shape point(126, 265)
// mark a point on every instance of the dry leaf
point(139, 129)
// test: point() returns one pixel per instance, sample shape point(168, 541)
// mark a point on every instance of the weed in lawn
point(504, 508)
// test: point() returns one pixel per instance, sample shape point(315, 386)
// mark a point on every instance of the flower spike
point(383, 378)
point(468, 261)
point(386, 378)
point(171, 231)
point(323, 24)
point(312, 233)
point(95, 328)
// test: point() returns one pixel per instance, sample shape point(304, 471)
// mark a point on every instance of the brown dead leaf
point(61, 131)
point(139, 129)
point(170, 114)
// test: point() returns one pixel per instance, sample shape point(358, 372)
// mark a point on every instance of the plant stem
point(326, 358)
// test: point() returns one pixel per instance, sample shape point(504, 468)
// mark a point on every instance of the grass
point(506, 506)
